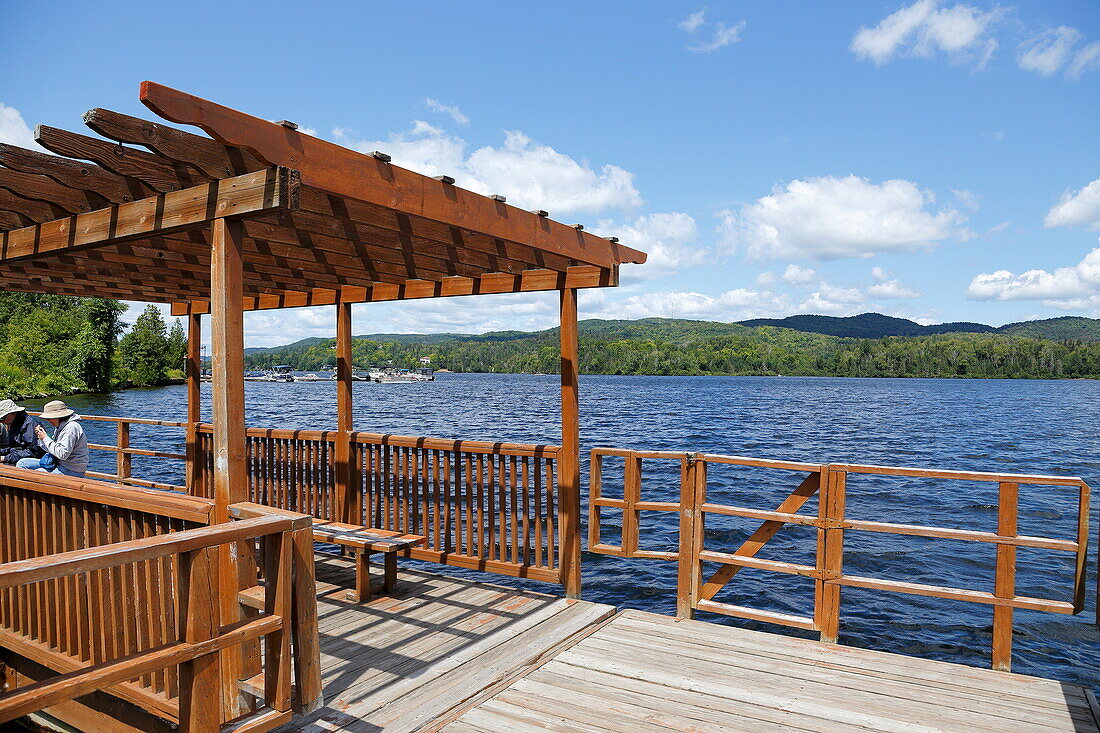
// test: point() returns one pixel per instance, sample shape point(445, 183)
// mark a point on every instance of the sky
point(938, 161)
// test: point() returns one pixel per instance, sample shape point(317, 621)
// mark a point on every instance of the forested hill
point(680, 347)
point(876, 325)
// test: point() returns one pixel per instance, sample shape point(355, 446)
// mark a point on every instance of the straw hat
point(7, 407)
point(55, 409)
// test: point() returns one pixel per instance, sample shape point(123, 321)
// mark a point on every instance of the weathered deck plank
point(451, 655)
point(642, 672)
point(401, 661)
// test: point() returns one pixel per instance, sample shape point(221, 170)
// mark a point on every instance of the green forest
point(677, 347)
point(57, 345)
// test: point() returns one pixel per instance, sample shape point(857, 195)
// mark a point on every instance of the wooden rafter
point(128, 215)
point(529, 281)
point(361, 177)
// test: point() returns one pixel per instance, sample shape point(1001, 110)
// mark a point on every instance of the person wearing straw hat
point(68, 446)
point(22, 442)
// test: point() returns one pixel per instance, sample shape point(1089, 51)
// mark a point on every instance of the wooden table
point(364, 541)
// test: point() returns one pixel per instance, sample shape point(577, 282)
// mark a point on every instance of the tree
point(176, 351)
point(95, 347)
point(143, 351)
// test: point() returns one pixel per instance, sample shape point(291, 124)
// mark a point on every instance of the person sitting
point(68, 446)
point(22, 442)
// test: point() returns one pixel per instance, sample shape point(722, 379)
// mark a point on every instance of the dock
point(459, 656)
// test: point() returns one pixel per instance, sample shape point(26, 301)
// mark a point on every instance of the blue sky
point(934, 160)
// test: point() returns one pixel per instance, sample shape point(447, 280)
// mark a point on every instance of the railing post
point(194, 404)
point(278, 586)
point(632, 494)
point(693, 487)
point(123, 460)
point(307, 649)
point(200, 687)
point(830, 552)
point(1005, 583)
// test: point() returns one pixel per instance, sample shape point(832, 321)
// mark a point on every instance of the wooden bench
point(364, 541)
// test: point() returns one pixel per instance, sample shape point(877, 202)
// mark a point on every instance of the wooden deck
point(401, 661)
point(462, 657)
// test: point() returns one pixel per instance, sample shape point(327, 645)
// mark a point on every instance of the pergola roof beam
point(153, 170)
point(42, 188)
point(343, 171)
point(529, 281)
point(207, 155)
point(251, 193)
point(76, 174)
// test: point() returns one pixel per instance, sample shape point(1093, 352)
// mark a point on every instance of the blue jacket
point(22, 442)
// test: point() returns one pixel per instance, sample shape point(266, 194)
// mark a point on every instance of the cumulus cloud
point(833, 218)
point(1071, 288)
point(529, 174)
point(13, 130)
point(888, 287)
point(693, 22)
point(924, 29)
point(1077, 208)
point(1056, 49)
point(669, 240)
point(447, 109)
point(795, 275)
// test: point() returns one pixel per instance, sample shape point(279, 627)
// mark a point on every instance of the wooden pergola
point(260, 216)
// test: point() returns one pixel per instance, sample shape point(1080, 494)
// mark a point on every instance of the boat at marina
point(280, 373)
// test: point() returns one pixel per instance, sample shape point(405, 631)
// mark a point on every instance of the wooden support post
point(1005, 583)
point(342, 448)
point(123, 460)
point(307, 649)
point(830, 553)
point(237, 561)
point(569, 459)
point(693, 488)
point(200, 711)
point(194, 404)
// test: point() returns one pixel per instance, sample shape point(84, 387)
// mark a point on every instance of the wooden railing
point(828, 482)
point(124, 452)
point(481, 505)
point(112, 588)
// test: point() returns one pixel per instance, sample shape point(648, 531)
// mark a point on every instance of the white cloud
point(1087, 59)
point(833, 300)
point(13, 130)
point(668, 239)
point(1072, 288)
point(766, 278)
point(795, 275)
point(693, 22)
point(969, 199)
point(529, 174)
point(724, 35)
point(1077, 208)
point(924, 29)
point(832, 218)
point(1055, 49)
point(1047, 52)
point(892, 289)
point(733, 305)
point(448, 109)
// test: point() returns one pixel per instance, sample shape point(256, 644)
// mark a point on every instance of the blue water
point(1043, 427)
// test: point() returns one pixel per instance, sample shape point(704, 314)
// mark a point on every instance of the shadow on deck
point(466, 657)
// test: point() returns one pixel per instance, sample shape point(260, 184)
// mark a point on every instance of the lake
point(1043, 427)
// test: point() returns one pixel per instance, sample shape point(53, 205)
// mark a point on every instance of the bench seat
point(364, 541)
